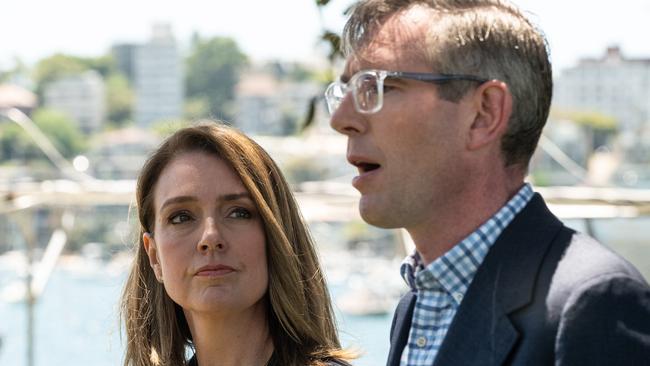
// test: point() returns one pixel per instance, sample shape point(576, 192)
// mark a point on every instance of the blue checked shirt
point(441, 286)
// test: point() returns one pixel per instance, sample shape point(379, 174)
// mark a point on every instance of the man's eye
point(388, 88)
point(240, 213)
point(179, 218)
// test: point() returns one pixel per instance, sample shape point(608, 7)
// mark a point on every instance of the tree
point(333, 40)
point(61, 130)
point(599, 127)
point(119, 100)
point(196, 108)
point(55, 67)
point(60, 65)
point(105, 65)
point(213, 69)
point(164, 128)
point(15, 143)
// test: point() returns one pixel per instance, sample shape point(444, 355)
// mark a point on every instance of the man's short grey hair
point(487, 38)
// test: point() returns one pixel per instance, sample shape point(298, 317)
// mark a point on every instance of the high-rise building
point(156, 73)
point(82, 97)
point(124, 55)
point(613, 85)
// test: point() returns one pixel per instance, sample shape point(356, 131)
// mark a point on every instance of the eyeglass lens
point(367, 92)
point(366, 89)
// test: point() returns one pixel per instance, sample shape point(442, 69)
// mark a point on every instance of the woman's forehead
point(197, 174)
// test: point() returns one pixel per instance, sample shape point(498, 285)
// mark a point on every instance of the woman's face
point(208, 244)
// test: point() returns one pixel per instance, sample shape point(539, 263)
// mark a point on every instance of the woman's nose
point(211, 238)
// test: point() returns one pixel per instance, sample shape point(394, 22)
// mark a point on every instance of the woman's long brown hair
point(301, 320)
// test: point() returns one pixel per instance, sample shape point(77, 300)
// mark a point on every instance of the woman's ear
point(152, 252)
point(493, 103)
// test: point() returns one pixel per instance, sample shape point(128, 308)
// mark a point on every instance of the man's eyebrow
point(397, 80)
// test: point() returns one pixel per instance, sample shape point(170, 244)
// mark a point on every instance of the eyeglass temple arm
point(436, 77)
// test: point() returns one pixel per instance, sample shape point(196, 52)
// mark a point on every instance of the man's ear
point(152, 252)
point(493, 102)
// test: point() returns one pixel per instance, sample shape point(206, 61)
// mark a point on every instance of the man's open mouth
point(366, 167)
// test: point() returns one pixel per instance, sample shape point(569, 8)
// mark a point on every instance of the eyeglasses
point(367, 87)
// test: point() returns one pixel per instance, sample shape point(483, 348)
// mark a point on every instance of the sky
point(284, 29)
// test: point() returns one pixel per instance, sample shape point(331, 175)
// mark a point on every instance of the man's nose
point(346, 119)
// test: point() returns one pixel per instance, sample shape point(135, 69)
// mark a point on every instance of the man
point(443, 103)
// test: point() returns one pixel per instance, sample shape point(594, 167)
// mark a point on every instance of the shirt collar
point(455, 270)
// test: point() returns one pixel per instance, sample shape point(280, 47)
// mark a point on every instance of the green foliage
point(356, 230)
point(60, 65)
point(104, 65)
point(213, 69)
point(164, 128)
point(591, 119)
point(61, 130)
point(56, 67)
point(302, 169)
point(596, 120)
point(541, 177)
point(334, 42)
point(16, 144)
point(119, 100)
point(196, 108)
point(119, 95)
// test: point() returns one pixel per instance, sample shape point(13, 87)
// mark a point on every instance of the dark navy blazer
point(544, 295)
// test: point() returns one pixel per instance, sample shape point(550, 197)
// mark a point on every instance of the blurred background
point(88, 89)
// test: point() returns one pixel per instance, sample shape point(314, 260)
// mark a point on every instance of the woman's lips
point(214, 271)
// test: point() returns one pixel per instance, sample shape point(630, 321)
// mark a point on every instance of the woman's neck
point(240, 339)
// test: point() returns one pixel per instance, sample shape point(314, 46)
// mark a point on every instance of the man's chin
point(374, 215)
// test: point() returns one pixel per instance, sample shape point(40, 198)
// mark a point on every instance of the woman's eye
point(179, 218)
point(240, 213)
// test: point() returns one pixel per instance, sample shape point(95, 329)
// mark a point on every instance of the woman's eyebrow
point(234, 196)
point(178, 199)
point(224, 197)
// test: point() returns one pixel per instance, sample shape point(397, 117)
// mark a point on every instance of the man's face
point(410, 153)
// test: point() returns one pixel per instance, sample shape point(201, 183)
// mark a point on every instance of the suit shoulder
point(585, 264)
point(605, 322)
point(586, 259)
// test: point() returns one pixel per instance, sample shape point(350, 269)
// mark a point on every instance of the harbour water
point(77, 321)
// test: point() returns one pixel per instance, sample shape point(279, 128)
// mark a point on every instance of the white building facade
point(612, 85)
point(82, 97)
point(155, 70)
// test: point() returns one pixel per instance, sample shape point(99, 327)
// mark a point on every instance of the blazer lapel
point(399, 332)
point(481, 332)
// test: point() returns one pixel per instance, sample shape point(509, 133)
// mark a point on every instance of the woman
point(224, 265)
